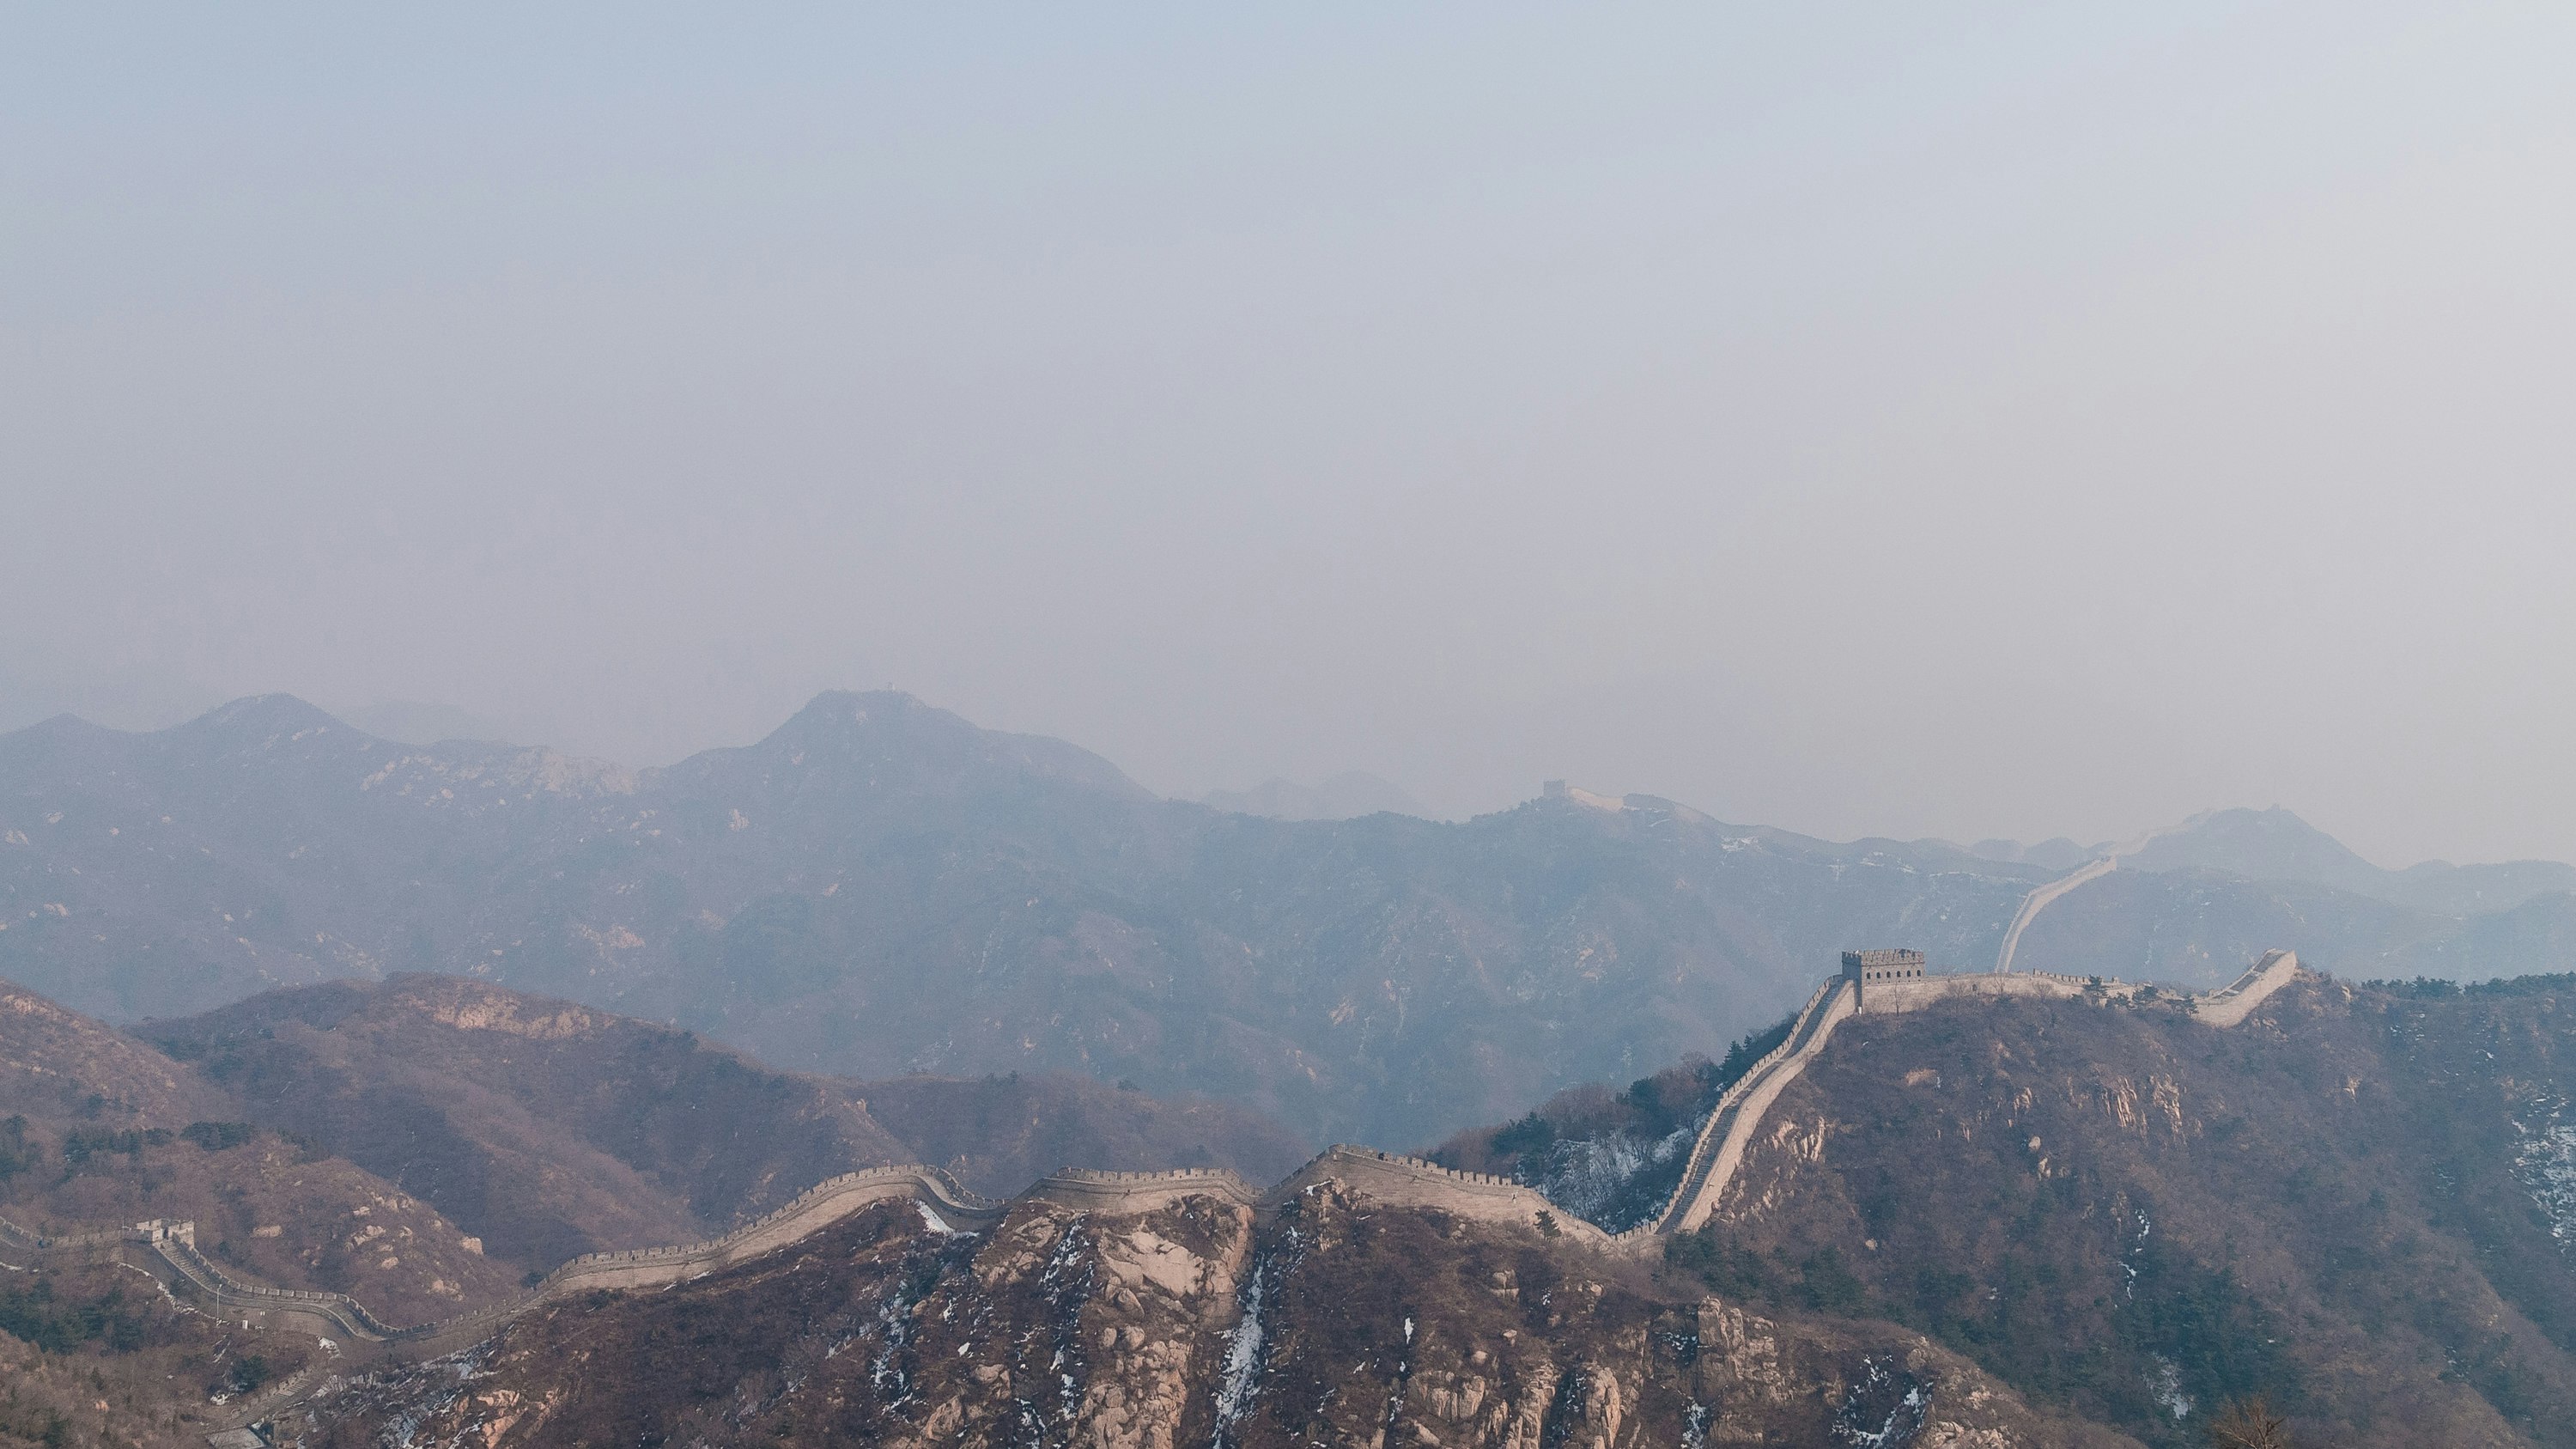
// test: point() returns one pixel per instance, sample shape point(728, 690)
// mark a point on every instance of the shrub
point(81, 1144)
point(17, 1154)
point(218, 1136)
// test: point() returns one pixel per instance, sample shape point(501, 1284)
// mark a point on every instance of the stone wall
point(1728, 1131)
point(816, 1208)
point(1400, 1181)
point(1712, 1128)
point(2220, 1008)
point(1921, 992)
point(1732, 1123)
point(1128, 1193)
point(2226, 1008)
point(2038, 900)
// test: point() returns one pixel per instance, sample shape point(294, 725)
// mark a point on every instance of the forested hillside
point(880, 887)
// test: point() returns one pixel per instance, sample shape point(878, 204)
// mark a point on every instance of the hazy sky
point(1890, 419)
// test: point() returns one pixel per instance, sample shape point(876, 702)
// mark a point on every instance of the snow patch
point(2165, 1387)
point(2544, 1162)
point(1240, 1376)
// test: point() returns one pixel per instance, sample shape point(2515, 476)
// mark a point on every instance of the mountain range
point(2015, 1223)
point(879, 887)
point(1983, 1224)
point(494, 1134)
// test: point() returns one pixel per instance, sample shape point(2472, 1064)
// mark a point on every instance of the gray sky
point(1867, 419)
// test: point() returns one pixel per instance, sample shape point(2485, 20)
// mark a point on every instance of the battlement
point(1727, 1132)
point(1862, 968)
point(1094, 1190)
point(1169, 1174)
point(1402, 1181)
point(2225, 1007)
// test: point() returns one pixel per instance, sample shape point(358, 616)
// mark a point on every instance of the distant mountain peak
point(887, 727)
point(843, 714)
point(856, 705)
point(265, 715)
point(2276, 844)
point(2272, 844)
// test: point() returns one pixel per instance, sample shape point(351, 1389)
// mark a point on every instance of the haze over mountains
point(1339, 798)
point(420, 1023)
point(880, 887)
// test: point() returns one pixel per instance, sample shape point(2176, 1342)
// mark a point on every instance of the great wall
point(168, 1249)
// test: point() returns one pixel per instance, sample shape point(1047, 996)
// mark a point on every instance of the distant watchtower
point(1863, 967)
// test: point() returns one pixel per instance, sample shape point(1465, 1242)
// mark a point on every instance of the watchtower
point(1896, 964)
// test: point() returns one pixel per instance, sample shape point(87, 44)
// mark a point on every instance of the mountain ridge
point(879, 887)
point(1992, 1222)
point(2275, 844)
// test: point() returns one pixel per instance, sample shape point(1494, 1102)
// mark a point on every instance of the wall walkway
point(1729, 1128)
point(2231, 1006)
point(1417, 1182)
point(2037, 901)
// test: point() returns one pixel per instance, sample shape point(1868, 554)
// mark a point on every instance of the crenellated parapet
point(1402, 1181)
point(1727, 1133)
point(168, 1249)
point(2225, 1007)
point(1884, 982)
point(2233, 1004)
point(1093, 1190)
point(1710, 1143)
point(809, 1212)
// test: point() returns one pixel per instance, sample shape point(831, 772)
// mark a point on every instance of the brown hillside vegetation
point(426, 1144)
point(2344, 1206)
point(546, 1128)
point(100, 1130)
point(1990, 1223)
point(56, 1064)
point(92, 1355)
point(264, 1207)
point(553, 1129)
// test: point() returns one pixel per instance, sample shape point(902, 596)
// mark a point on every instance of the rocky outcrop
point(1336, 1318)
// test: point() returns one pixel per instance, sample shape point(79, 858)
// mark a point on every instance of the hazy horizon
point(1866, 421)
point(432, 724)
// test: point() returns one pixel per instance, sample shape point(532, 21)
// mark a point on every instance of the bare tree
point(2249, 1424)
